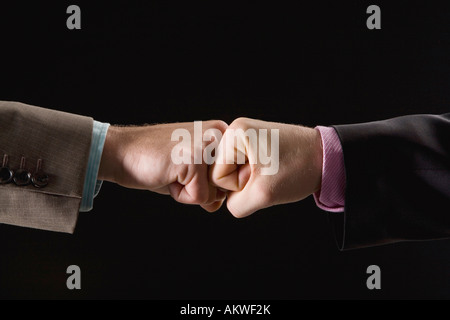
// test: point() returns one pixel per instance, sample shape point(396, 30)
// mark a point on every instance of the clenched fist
point(140, 157)
point(283, 164)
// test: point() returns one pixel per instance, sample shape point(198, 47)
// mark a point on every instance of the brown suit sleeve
point(62, 140)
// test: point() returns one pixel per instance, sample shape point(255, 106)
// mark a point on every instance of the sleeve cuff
point(331, 197)
point(91, 184)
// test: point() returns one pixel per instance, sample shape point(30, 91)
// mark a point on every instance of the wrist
point(111, 163)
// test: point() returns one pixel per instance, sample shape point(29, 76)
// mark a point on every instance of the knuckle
point(221, 124)
point(218, 124)
point(240, 122)
point(201, 197)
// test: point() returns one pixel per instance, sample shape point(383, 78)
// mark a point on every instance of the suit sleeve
point(397, 181)
point(62, 142)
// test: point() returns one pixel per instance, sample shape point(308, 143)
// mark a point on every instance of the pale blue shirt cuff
point(91, 184)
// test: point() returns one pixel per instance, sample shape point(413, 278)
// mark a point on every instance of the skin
point(140, 158)
point(299, 174)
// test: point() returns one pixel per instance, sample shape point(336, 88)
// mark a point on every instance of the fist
point(261, 164)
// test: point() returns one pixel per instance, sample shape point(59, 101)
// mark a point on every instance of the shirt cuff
point(331, 197)
point(91, 184)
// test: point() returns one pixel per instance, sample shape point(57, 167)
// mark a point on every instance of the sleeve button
point(39, 180)
point(6, 175)
point(22, 177)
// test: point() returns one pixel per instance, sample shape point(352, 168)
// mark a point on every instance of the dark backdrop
point(148, 62)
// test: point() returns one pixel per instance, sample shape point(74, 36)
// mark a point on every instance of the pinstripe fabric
point(397, 181)
point(91, 185)
point(62, 141)
point(331, 197)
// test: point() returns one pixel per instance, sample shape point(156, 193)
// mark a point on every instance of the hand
point(140, 158)
point(299, 172)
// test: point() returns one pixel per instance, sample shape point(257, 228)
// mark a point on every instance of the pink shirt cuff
point(331, 197)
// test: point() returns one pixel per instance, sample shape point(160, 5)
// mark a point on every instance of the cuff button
point(22, 177)
point(6, 175)
point(39, 180)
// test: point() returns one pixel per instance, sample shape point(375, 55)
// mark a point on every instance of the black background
point(150, 62)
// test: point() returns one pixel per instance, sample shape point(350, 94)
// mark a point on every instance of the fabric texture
point(91, 184)
point(62, 141)
point(331, 196)
point(397, 181)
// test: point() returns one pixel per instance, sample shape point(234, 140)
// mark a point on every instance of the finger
point(215, 194)
point(217, 124)
point(225, 171)
point(244, 174)
point(211, 207)
point(162, 190)
point(217, 197)
point(225, 176)
point(195, 191)
point(252, 198)
point(188, 195)
point(179, 194)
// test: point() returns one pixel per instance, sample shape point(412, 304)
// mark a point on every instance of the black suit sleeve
point(397, 181)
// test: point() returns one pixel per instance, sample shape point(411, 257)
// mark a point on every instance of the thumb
point(250, 199)
point(230, 171)
point(230, 177)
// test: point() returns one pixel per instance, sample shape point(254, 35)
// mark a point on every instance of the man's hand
point(140, 158)
point(299, 172)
